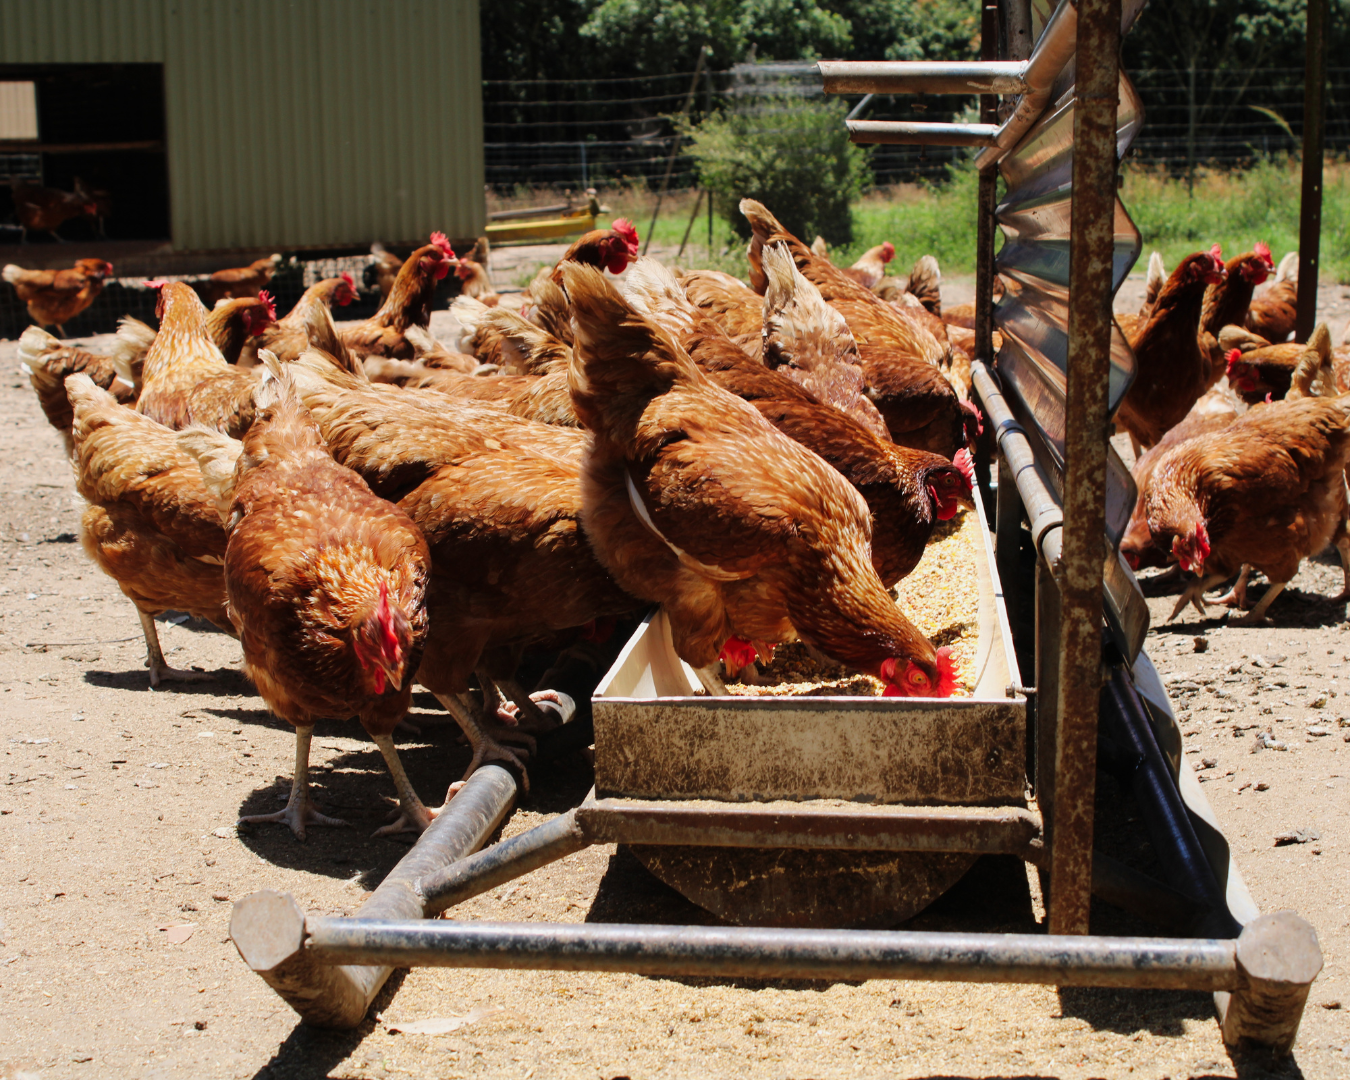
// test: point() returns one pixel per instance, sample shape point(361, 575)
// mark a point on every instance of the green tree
point(793, 156)
point(651, 37)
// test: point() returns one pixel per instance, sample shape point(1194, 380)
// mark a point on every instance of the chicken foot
point(711, 678)
point(1257, 614)
point(1237, 595)
point(1195, 594)
point(154, 658)
point(497, 692)
point(488, 738)
point(413, 815)
point(300, 810)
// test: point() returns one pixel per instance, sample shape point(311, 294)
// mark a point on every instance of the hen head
point(464, 270)
point(1242, 376)
point(620, 247)
point(382, 641)
point(1191, 550)
point(158, 285)
point(345, 293)
point(887, 251)
point(916, 680)
point(1257, 265)
point(952, 486)
point(737, 654)
point(439, 265)
point(257, 319)
point(94, 268)
point(1206, 266)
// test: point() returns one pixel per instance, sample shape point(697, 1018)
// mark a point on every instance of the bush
point(793, 156)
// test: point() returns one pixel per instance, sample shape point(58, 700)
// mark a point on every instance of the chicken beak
point(393, 674)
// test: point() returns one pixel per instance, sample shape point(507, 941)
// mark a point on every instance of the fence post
point(1310, 204)
point(1084, 531)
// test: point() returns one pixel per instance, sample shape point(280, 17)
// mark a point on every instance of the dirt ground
point(120, 861)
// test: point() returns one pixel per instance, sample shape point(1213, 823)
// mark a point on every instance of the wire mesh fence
point(593, 133)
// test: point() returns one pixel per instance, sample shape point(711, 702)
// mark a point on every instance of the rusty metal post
point(984, 243)
point(1314, 129)
point(1086, 416)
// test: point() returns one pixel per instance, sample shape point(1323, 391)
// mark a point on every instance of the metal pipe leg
point(268, 927)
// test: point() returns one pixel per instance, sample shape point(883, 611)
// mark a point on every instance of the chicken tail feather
point(620, 360)
point(216, 455)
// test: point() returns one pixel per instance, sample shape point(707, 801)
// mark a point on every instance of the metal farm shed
point(257, 124)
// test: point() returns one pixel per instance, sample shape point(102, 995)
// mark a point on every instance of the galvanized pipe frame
point(1033, 78)
point(267, 927)
point(771, 953)
point(1265, 973)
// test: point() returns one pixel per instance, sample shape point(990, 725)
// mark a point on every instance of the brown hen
point(1267, 491)
point(54, 297)
point(692, 500)
point(326, 583)
point(150, 525)
point(498, 499)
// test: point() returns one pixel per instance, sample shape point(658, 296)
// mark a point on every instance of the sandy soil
point(117, 821)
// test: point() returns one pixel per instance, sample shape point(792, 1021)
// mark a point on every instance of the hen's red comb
point(887, 251)
point(347, 277)
point(627, 231)
point(156, 283)
point(1262, 249)
point(438, 238)
point(269, 304)
point(946, 670)
point(1216, 253)
point(966, 463)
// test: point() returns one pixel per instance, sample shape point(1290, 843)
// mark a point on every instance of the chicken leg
point(413, 815)
point(1195, 594)
point(488, 739)
point(1237, 595)
point(299, 810)
point(1257, 614)
point(154, 658)
point(711, 678)
point(1343, 549)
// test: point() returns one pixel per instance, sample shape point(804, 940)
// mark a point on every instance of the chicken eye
point(918, 678)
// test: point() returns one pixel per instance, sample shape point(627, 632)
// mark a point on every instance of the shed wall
point(293, 124)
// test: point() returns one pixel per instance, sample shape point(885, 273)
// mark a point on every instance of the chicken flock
point(1241, 437)
point(365, 507)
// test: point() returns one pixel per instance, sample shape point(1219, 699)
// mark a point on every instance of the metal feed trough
point(806, 815)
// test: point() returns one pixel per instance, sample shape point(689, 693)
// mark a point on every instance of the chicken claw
point(561, 708)
point(413, 816)
point(300, 810)
point(299, 813)
point(1257, 615)
point(1195, 594)
point(160, 671)
point(1237, 595)
point(488, 741)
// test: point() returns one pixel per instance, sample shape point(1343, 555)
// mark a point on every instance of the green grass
point(1233, 208)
